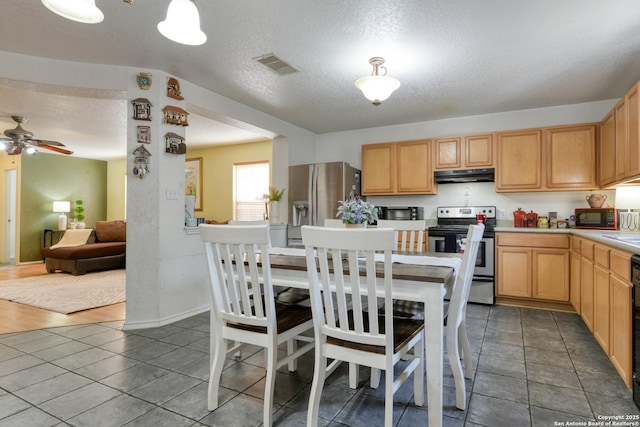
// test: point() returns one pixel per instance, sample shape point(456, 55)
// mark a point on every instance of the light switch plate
point(172, 194)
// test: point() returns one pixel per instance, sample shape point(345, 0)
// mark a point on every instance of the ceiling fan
point(19, 140)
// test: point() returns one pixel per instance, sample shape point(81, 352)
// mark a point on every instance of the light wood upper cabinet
point(519, 160)
point(414, 168)
point(607, 150)
point(633, 132)
point(378, 168)
point(478, 151)
point(468, 152)
point(571, 157)
point(397, 168)
point(569, 153)
point(622, 146)
point(448, 153)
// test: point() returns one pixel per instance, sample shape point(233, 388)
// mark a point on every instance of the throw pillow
point(111, 231)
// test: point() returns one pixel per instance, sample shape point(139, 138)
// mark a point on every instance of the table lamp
point(62, 207)
point(627, 200)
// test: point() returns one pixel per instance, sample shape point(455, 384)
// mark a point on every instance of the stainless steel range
point(447, 236)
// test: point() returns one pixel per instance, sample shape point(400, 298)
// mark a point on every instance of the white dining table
point(413, 281)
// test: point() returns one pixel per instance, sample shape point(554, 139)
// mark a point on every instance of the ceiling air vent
point(276, 64)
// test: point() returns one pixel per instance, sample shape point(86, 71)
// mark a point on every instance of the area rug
point(64, 293)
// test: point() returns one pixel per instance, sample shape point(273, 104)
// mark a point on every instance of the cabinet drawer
point(533, 240)
point(601, 255)
point(586, 249)
point(620, 265)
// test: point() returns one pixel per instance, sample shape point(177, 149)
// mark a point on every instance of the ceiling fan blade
point(41, 142)
point(54, 148)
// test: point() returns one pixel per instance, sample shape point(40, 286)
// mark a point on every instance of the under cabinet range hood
point(465, 175)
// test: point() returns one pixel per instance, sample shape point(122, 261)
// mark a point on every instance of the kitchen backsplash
point(483, 194)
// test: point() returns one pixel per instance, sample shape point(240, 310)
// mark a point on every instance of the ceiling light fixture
point(377, 88)
point(84, 11)
point(182, 24)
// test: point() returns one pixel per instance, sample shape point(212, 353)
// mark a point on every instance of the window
point(250, 184)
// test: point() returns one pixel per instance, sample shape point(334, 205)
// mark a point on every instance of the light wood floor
point(16, 317)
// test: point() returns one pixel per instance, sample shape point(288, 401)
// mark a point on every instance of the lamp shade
point(377, 88)
point(84, 11)
point(627, 197)
point(62, 206)
point(182, 24)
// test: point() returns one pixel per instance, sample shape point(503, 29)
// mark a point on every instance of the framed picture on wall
point(193, 180)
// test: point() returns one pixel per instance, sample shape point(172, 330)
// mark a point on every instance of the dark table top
point(401, 271)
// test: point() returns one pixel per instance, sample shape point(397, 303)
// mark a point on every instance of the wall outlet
point(501, 214)
point(172, 194)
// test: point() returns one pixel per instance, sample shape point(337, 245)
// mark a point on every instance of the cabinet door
point(574, 292)
point(622, 146)
point(586, 293)
point(478, 151)
point(513, 272)
point(621, 320)
point(378, 168)
point(414, 170)
point(601, 306)
point(607, 150)
point(448, 153)
point(519, 161)
point(571, 157)
point(551, 274)
point(633, 132)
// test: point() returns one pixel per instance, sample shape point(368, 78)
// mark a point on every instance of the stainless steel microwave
point(597, 218)
point(400, 212)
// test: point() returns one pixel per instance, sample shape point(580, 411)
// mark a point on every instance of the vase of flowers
point(354, 210)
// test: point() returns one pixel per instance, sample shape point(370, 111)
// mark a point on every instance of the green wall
point(49, 177)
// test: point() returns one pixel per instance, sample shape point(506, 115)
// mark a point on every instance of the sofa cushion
point(93, 250)
point(111, 231)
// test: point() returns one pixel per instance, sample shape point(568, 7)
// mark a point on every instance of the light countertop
point(608, 237)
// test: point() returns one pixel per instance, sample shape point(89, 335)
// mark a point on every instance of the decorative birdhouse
point(175, 116)
point(175, 143)
point(141, 109)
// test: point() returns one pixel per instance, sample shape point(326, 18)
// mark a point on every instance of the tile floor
point(532, 368)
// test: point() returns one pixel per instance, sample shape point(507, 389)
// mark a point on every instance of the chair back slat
point(408, 234)
point(462, 286)
point(350, 279)
point(237, 281)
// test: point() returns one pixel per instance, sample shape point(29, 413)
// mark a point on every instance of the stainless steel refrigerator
point(314, 191)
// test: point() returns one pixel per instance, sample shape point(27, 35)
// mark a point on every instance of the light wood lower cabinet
point(574, 291)
point(533, 266)
point(620, 345)
point(586, 292)
point(601, 302)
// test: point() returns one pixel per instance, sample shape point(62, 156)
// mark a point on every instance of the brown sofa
point(105, 249)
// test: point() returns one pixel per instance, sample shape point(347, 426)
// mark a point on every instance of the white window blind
point(251, 183)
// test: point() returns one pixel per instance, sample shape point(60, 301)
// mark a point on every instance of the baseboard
point(144, 324)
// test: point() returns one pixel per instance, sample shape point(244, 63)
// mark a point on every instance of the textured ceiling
point(454, 58)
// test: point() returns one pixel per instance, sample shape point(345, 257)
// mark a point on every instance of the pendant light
point(182, 24)
point(377, 88)
point(84, 11)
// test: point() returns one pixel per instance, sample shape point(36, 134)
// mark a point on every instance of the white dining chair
point(455, 312)
point(333, 223)
point(409, 234)
point(456, 316)
point(244, 308)
point(347, 323)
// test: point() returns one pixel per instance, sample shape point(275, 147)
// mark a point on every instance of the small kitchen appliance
point(449, 236)
point(597, 218)
point(400, 212)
